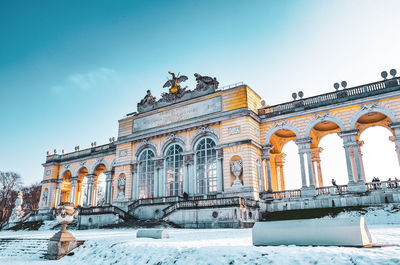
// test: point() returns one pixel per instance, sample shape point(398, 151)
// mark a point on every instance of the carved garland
point(204, 131)
point(172, 138)
point(369, 107)
point(146, 144)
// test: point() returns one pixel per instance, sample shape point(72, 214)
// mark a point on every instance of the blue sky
point(70, 69)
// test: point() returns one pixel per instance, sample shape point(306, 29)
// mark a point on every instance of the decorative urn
point(63, 241)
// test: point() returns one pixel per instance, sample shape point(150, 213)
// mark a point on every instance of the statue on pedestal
point(17, 212)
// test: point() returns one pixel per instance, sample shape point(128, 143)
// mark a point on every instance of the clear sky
point(70, 69)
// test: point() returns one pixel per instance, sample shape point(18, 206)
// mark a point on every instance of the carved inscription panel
point(190, 111)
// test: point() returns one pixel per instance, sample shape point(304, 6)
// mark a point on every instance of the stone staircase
point(31, 248)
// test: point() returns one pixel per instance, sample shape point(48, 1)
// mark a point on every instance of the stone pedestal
point(357, 187)
point(63, 241)
point(60, 244)
point(308, 192)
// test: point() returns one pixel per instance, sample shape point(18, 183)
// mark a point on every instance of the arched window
point(174, 170)
point(206, 166)
point(146, 174)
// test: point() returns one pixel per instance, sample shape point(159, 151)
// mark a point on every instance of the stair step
point(12, 247)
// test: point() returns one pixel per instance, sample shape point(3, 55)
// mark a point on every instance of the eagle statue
point(174, 82)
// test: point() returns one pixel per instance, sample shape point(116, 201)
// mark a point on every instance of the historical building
point(212, 157)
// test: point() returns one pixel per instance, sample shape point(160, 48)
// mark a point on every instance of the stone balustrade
point(331, 98)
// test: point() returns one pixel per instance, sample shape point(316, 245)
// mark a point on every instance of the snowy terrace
point(217, 246)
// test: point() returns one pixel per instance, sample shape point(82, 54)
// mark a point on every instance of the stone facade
point(175, 161)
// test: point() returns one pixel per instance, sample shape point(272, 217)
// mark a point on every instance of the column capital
point(220, 152)
point(189, 159)
point(306, 140)
point(394, 125)
point(265, 152)
point(304, 144)
point(108, 173)
point(74, 179)
point(159, 163)
point(349, 133)
point(134, 167)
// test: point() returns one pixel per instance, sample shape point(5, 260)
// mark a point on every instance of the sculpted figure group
point(205, 84)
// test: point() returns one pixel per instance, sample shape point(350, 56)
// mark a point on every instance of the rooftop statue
point(175, 90)
point(176, 93)
point(205, 82)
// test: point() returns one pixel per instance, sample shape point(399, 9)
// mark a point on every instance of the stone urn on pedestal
point(237, 169)
point(63, 241)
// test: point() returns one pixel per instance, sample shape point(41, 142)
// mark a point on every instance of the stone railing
point(332, 190)
point(205, 203)
point(332, 98)
point(105, 210)
point(169, 199)
point(287, 194)
point(383, 185)
point(85, 152)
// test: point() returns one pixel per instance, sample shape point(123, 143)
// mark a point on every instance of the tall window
point(174, 170)
point(146, 174)
point(206, 166)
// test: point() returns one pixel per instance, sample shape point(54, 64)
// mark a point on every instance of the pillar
point(73, 193)
point(267, 157)
point(134, 190)
point(360, 144)
point(261, 186)
point(350, 142)
point(108, 187)
point(220, 167)
point(279, 163)
point(188, 183)
point(58, 196)
point(304, 148)
point(89, 190)
point(316, 160)
point(158, 181)
point(396, 138)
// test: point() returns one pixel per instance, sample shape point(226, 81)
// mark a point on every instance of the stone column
point(316, 160)
point(159, 166)
point(396, 137)
point(89, 191)
point(279, 163)
point(260, 176)
point(220, 167)
point(108, 187)
point(301, 146)
point(360, 144)
point(304, 148)
point(134, 189)
point(188, 180)
point(58, 196)
point(267, 157)
point(72, 194)
point(349, 141)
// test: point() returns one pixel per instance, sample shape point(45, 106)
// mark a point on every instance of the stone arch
point(144, 145)
point(64, 169)
point(99, 162)
point(374, 107)
point(81, 167)
point(282, 126)
point(173, 138)
point(204, 131)
point(322, 118)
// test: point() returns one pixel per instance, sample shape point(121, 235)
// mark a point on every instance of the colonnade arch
point(325, 126)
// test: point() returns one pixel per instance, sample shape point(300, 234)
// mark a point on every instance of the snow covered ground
point(216, 246)
point(211, 246)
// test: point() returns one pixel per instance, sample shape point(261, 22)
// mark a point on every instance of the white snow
point(217, 246)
